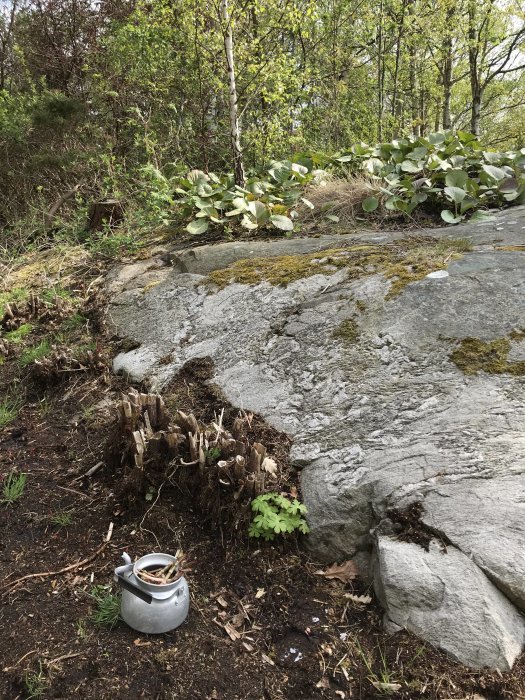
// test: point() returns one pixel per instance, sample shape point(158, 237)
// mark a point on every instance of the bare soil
point(262, 625)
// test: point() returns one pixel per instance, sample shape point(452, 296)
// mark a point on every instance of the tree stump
point(107, 213)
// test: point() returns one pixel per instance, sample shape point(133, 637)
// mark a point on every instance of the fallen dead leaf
point(141, 643)
point(387, 687)
point(323, 683)
point(346, 572)
point(269, 465)
point(359, 599)
point(222, 602)
point(260, 593)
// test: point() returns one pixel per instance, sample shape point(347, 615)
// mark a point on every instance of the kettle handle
point(146, 597)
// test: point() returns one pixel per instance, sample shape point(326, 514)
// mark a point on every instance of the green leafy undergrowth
point(445, 172)
point(277, 515)
point(267, 199)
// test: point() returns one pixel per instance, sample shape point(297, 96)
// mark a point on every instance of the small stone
point(438, 275)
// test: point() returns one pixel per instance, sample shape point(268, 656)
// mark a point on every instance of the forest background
point(112, 99)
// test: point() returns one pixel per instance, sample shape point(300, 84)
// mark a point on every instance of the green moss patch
point(474, 355)
point(348, 331)
point(402, 262)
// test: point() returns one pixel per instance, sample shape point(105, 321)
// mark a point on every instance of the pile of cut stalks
point(163, 575)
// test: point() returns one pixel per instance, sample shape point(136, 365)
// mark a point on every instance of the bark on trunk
point(473, 55)
point(447, 82)
point(235, 132)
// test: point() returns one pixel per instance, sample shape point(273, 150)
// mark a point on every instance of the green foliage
point(18, 335)
point(9, 409)
point(443, 172)
point(267, 199)
point(35, 353)
point(107, 610)
point(61, 519)
point(277, 515)
point(13, 488)
point(36, 683)
point(16, 295)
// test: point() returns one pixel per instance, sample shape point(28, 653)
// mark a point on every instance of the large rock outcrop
point(394, 389)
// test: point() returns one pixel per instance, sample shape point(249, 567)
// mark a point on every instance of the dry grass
point(341, 197)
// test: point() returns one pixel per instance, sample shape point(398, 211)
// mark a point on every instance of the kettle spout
point(126, 557)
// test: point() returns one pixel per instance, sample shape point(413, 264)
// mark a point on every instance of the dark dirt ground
point(299, 635)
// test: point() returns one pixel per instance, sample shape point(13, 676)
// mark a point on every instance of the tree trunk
point(395, 97)
point(380, 74)
point(473, 54)
point(235, 132)
point(476, 112)
point(412, 76)
point(447, 81)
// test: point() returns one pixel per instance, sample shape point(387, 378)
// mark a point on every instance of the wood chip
point(222, 602)
point(248, 647)
point(231, 632)
point(260, 593)
point(267, 659)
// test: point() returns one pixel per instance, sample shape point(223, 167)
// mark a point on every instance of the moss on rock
point(348, 331)
point(474, 355)
point(402, 262)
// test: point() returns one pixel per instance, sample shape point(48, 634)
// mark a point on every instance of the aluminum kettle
point(148, 607)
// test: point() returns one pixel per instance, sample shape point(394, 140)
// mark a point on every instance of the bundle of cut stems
point(163, 575)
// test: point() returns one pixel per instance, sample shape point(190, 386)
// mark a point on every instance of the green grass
point(19, 334)
point(35, 353)
point(13, 488)
point(73, 323)
point(61, 519)
point(49, 295)
point(15, 296)
point(107, 610)
point(36, 683)
point(9, 409)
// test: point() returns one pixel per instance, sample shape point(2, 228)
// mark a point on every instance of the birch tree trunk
point(235, 132)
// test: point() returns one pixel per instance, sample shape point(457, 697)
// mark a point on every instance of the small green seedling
point(61, 519)
point(9, 409)
point(36, 683)
point(107, 611)
point(13, 488)
point(277, 515)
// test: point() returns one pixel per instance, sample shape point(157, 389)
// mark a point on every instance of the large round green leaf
point(282, 222)
point(456, 178)
point(456, 194)
point(197, 226)
point(450, 217)
point(408, 166)
point(370, 204)
point(493, 172)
